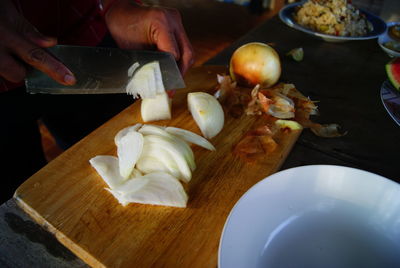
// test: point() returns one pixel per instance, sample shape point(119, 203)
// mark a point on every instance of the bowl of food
point(315, 216)
point(332, 20)
point(389, 41)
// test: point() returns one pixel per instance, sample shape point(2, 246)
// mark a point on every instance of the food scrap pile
point(283, 107)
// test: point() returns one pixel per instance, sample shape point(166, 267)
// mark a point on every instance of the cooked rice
point(334, 17)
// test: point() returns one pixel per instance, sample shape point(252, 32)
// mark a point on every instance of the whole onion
point(255, 63)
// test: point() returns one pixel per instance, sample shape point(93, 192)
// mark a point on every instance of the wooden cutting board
point(68, 198)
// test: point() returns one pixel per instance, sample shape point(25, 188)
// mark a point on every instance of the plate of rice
point(332, 20)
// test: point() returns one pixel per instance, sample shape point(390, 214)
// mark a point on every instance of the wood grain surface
point(68, 198)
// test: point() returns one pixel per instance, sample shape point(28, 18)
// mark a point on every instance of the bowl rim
point(280, 173)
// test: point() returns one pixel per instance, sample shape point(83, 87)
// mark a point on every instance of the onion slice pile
point(151, 161)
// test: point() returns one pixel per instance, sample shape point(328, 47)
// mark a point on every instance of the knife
point(101, 70)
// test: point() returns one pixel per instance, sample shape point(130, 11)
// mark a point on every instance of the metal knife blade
point(101, 70)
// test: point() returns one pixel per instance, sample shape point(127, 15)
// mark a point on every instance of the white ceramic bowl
point(384, 38)
point(315, 216)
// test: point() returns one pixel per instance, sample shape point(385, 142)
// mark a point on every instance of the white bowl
point(383, 38)
point(315, 216)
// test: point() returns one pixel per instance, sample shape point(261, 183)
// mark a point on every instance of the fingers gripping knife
point(100, 70)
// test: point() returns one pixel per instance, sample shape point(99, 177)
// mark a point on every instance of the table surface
point(344, 77)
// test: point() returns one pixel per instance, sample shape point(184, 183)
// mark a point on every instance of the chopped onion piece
point(148, 129)
point(157, 189)
point(207, 112)
point(155, 159)
point(156, 108)
point(184, 147)
point(149, 164)
point(133, 68)
point(124, 131)
point(176, 153)
point(190, 137)
point(108, 168)
point(129, 148)
point(146, 82)
point(119, 196)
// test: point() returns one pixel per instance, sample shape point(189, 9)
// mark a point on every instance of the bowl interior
point(314, 215)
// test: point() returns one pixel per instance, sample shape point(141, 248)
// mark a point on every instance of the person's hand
point(22, 44)
point(140, 27)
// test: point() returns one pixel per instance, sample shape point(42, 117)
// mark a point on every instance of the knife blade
point(101, 70)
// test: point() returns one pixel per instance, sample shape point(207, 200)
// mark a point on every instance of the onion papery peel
point(226, 87)
point(287, 101)
point(325, 130)
point(270, 102)
point(253, 106)
point(256, 144)
point(232, 97)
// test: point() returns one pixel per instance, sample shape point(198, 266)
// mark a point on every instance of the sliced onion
point(149, 163)
point(288, 124)
point(162, 154)
point(124, 131)
point(156, 108)
point(207, 112)
point(184, 147)
point(179, 133)
point(146, 82)
point(129, 149)
point(176, 153)
point(108, 168)
point(162, 161)
point(156, 189)
point(135, 173)
point(190, 137)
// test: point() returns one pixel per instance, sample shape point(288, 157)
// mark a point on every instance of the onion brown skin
point(255, 63)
